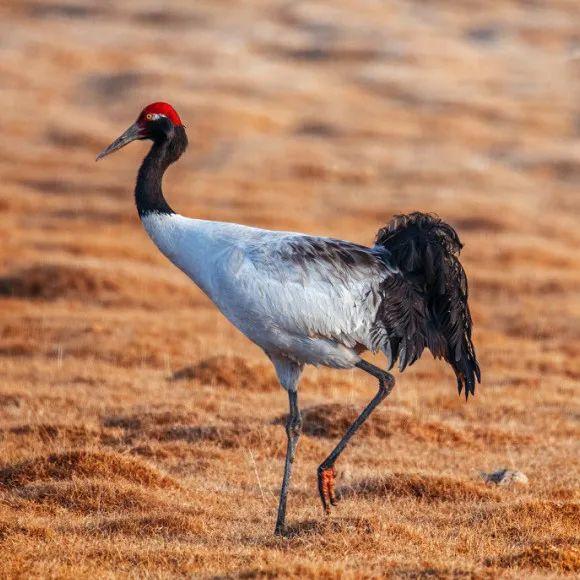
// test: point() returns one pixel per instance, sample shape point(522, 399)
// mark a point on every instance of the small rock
point(345, 474)
point(505, 477)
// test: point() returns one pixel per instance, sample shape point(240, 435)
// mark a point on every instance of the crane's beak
point(133, 133)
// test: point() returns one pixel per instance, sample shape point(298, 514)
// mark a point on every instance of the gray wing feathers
point(319, 287)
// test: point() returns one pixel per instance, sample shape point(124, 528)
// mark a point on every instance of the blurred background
point(322, 117)
point(301, 115)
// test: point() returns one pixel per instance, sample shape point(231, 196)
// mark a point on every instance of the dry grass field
point(140, 433)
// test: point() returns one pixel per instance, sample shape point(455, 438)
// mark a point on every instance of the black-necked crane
point(313, 300)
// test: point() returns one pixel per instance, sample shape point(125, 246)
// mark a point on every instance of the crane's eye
point(150, 116)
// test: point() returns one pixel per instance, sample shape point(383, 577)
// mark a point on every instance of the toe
point(326, 479)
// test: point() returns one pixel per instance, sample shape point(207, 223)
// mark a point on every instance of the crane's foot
point(326, 479)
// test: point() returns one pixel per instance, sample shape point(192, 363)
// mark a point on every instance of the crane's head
point(156, 121)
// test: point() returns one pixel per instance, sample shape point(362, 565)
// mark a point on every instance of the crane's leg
point(293, 430)
point(288, 373)
point(326, 470)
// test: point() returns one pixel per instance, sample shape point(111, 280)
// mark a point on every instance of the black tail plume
point(425, 250)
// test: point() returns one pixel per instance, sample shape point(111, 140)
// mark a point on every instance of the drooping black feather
point(426, 305)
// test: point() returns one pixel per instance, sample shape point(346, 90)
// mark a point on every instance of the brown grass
point(421, 487)
point(83, 463)
point(74, 283)
point(170, 526)
point(90, 497)
point(563, 558)
point(332, 420)
point(140, 434)
point(232, 372)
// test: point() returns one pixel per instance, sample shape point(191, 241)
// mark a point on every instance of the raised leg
point(326, 470)
point(293, 430)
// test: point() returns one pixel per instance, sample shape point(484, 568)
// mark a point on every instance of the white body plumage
point(309, 312)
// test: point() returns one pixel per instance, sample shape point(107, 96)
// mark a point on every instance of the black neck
point(166, 149)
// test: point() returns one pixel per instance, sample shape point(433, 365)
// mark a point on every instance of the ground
point(140, 434)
